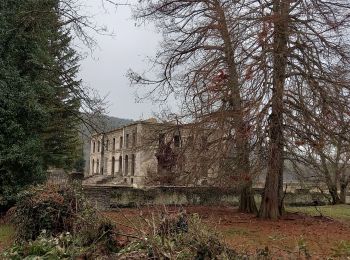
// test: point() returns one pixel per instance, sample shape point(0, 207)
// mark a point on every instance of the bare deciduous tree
point(254, 69)
point(202, 62)
point(296, 48)
point(319, 150)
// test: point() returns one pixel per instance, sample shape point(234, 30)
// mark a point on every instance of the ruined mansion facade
point(128, 155)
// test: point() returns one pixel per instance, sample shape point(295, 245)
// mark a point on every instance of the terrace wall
point(107, 197)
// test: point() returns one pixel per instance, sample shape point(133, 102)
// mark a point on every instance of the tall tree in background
point(320, 149)
point(271, 202)
point(40, 96)
point(202, 63)
point(61, 137)
point(303, 50)
point(291, 54)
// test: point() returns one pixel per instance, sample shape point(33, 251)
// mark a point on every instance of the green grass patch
point(339, 212)
point(237, 232)
point(342, 249)
point(6, 234)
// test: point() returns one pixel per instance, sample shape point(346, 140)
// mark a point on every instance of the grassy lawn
point(6, 235)
point(339, 212)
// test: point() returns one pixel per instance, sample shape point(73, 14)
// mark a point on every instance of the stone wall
point(106, 197)
point(57, 177)
point(60, 177)
point(99, 197)
point(126, 197)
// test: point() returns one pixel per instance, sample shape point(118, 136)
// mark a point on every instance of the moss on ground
point(6, 235)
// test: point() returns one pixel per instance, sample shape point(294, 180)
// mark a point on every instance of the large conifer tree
point(39, 94)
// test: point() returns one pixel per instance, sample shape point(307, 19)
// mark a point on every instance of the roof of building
point(150, 121)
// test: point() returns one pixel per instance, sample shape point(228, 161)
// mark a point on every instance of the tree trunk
point(333, 191)
point(280, 191)
point(343, 187)
point(270, 205)
point(344, 181)
point(102, 147)
point(247, 202)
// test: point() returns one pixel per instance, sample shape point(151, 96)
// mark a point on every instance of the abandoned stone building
point(131, 156)
point(127, 155)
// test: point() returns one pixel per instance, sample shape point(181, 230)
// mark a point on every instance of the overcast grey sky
point(105, 69)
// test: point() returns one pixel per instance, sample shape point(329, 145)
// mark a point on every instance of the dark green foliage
point(79, 164)
point(39, 95)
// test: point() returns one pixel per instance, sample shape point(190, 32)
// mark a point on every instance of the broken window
point(133, 139)
point(177, 140)
point(126, 165)
point(113, 165)
point(93, 147)
point(127, 141)
point(133, 165)
point(93, 167)
point(161, 138)
point(121, 142)
point(98, 146)
point(113, 144)
point(120, 164)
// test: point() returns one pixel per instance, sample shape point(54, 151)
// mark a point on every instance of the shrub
point(178, 239)
point(56, 211)
point(43, 208)
point(44, 247)
point(342, 249)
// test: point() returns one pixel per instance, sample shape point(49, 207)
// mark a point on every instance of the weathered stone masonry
point(124, 156)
